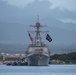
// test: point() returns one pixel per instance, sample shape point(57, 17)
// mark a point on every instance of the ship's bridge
point(37, 49)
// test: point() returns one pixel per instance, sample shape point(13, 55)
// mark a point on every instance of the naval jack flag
point(48, 37)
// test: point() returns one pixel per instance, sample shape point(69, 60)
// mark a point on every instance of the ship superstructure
point(38, 53)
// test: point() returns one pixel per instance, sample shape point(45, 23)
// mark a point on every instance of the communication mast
point(38, 40)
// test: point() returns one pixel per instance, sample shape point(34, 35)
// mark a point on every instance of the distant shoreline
point(69, 58)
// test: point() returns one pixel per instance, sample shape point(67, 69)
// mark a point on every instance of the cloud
point(41, 7)
point(19, 3)
point(69, 4)
point(63, 14)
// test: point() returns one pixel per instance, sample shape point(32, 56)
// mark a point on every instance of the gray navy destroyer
point(38, 53)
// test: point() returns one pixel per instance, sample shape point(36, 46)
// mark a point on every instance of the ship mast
point(37, 36)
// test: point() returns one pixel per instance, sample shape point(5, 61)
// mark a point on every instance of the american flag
point(31, 38)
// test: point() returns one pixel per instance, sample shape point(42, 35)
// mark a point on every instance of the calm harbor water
point(38, 70)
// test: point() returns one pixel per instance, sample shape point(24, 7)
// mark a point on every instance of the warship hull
point(38, 53)
point(37, 60)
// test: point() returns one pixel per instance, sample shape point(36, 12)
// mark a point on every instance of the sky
point(58, 15)
point(62, 5)
point(69, 4)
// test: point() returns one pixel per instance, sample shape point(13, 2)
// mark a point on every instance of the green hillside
point(67, 58)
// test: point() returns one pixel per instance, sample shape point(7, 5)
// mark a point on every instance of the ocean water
point(38, 70)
